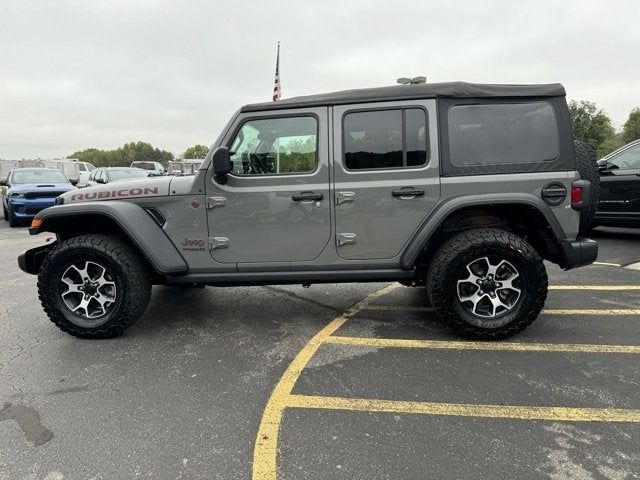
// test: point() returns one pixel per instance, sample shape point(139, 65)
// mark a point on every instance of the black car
point(619, 204)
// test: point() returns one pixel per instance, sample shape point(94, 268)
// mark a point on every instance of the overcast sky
point(79, 74)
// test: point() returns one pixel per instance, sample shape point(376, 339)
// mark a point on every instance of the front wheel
point(487, 283)
point(11, 217)
point(94, 286)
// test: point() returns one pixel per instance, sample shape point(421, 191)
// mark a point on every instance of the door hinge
point(347, 239)
point(345, 197)
point(218, 242)
point(213, 202)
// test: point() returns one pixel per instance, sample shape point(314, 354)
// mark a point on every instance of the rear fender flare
point(433, 221)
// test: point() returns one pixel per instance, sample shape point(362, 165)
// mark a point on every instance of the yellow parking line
point(402, 308)
point(595, 287)
point(625, 311)
point(562, 414)
point(410, 308)
point(462, 345)
point(266, 447)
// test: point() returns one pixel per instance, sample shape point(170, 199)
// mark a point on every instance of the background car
point(619, 204)
point(115, 174)
point(154, 168)
point(30, 190)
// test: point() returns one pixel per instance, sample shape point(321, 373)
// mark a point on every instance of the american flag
point(277, 89)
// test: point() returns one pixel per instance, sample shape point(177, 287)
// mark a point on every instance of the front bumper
point(25, 208)
point(30, 260)
point(579, 252)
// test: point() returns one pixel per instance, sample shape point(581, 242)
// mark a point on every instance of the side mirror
point(221, 164)
point(602, 164)
point(100, 180)
point(3, 182)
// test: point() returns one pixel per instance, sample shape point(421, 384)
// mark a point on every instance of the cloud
point(78, 74)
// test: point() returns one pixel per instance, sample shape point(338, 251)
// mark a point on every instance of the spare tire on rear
point(587, 166)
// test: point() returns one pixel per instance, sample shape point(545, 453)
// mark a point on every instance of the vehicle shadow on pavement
point(233, 308)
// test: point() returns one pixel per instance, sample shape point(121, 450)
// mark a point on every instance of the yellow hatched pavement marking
point(410, 308)
point(266, 447)
point(563, 414)
point(498, 346)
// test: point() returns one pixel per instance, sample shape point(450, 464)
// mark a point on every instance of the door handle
point(307, 197)
point(408, 192)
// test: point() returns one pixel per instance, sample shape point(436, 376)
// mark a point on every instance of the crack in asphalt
point(302, 298)
point(29, 422)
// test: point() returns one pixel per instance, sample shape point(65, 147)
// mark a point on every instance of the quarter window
point(275, 146)
point(385, 139)
point(502, 134)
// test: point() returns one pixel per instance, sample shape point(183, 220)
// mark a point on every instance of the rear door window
point(502, 134)
point(379, 139)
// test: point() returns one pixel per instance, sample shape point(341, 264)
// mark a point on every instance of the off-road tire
point(453, 257)
point(587, 166)
point(129, 273)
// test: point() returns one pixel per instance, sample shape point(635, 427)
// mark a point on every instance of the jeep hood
point(127, 189)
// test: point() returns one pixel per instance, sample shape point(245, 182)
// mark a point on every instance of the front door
point(386, 176)
point(620, 185)
point(275, 206)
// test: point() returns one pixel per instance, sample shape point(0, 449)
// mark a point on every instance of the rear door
point(386, 175)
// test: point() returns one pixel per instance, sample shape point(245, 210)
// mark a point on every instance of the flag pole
point(277, 89)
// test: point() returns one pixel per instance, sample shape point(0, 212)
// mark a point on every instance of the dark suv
point(619, 204)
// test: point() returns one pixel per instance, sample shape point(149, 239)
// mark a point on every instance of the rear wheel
point(94, 286)
point(487, 283)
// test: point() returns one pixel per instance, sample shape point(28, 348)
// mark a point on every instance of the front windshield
point(38, 176)
point(90, 168)
point(116, 175)
point(627, 159)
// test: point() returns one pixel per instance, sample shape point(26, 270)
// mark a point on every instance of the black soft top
point(412, 92)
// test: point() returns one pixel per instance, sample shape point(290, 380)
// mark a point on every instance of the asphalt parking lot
point(334, 381)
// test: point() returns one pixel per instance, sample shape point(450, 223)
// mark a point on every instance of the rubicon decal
point(111, 194)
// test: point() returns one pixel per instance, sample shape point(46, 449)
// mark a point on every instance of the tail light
point(580, 194)
point(576, 195)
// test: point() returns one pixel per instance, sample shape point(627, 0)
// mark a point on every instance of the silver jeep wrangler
point(460, 188)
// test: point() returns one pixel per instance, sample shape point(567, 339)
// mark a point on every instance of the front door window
point(275, 146)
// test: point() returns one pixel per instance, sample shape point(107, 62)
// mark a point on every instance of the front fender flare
point(139, 227)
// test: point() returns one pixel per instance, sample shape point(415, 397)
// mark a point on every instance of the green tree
point(592, 125)
point(197, 151)
point(123, 156)
point(631, 128)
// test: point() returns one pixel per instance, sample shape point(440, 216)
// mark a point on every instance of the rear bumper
point(579, 252)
